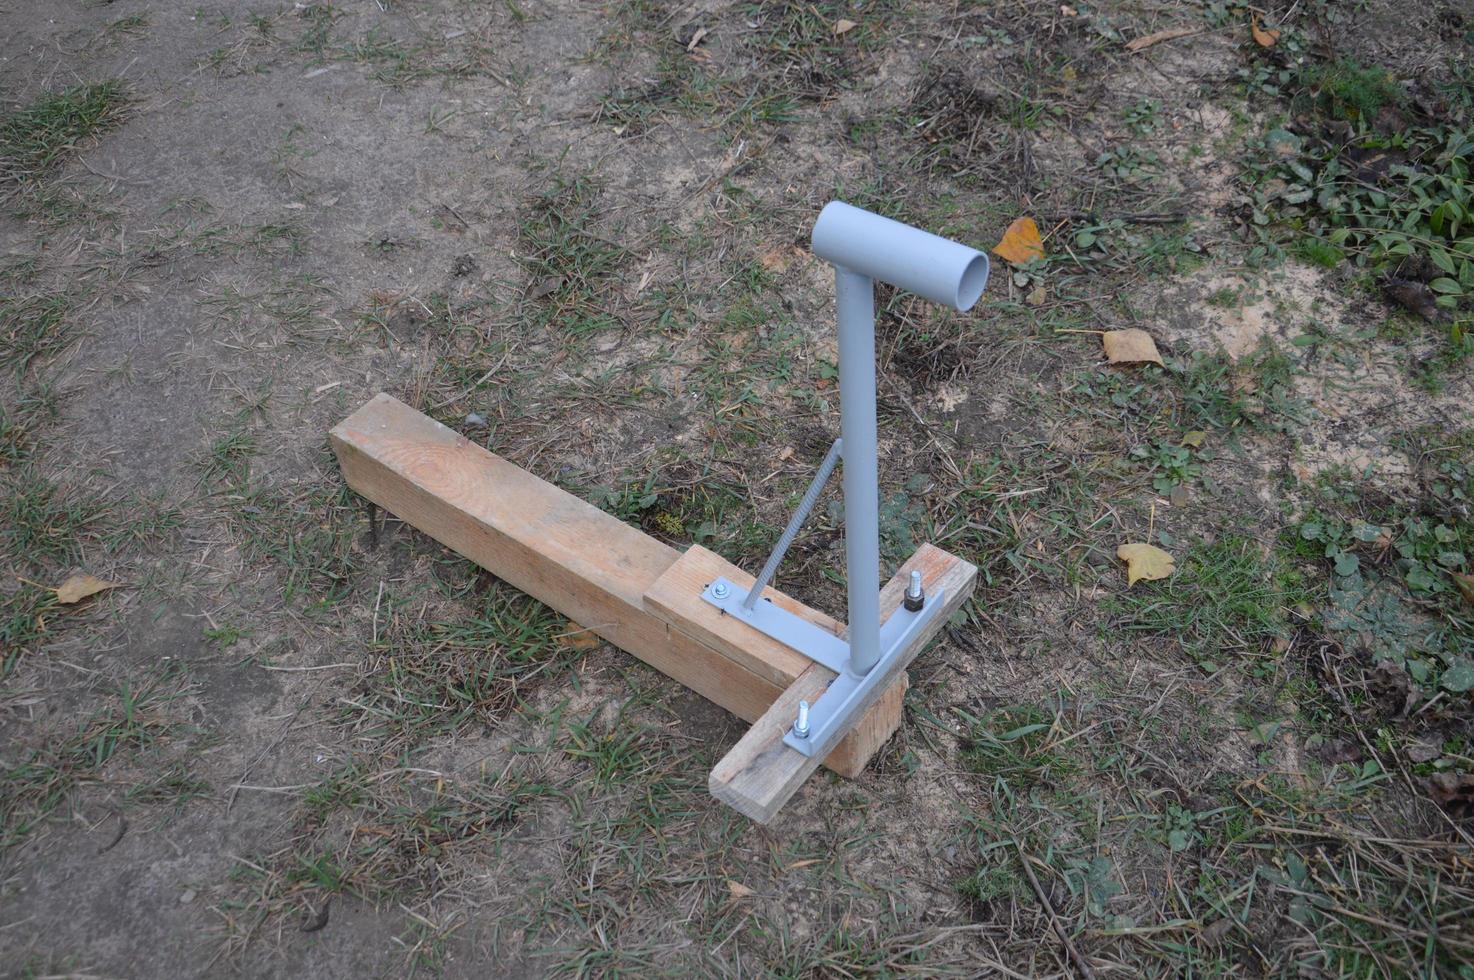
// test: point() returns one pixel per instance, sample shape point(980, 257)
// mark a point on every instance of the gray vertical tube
point(855, 300)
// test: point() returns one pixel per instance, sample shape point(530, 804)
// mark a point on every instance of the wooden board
point(586, 564)
point(760, 773)
point(676, 598)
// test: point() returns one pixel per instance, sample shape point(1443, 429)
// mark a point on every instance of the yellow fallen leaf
point(1194, 438)
point(578, 638)
point(844, 26)
point(1021, 242)
point(1036, 296)
point(1130, 347)
point(806, 862)
point(1147, 40)
point(80, 586)
point(1264, 37)
point(738, 889)
point(1144, 561)
point(1465, 584)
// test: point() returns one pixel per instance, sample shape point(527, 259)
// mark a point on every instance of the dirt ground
point(299, 738)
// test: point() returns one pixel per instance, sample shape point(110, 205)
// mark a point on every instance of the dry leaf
point(80, 586)
point(1194, 438)
point(546, 286)
point(1414, 296)
point(1465, 584)
point(578, 638)
point(1130, 347)
point(1263, 37)
point(1452, 791)
point(738, 889)
point(1424, 751)
point(1179, 496)
point(1021, 242)
point(844, 26)
point(1036, 296)
point(806, 862)
point(1146, 41)
point(1144, 561)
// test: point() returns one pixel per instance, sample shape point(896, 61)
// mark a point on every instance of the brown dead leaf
point(1264, 37)
point(739, 890)
point(844, 27)
point(80, 586)
point(1194, 438)
point(1465, 584)
point(806, 862)
point(1414, 296)
point(1145, 561)
point(1454, 791)
point(1036, 296)
point(578, 638)
point(1215, 932)
point(1171, 33)
point(546, 286)
point(1424, 751)
point(1021, 242)
point(1130, 347)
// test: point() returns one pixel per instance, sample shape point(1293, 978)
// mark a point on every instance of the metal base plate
point(793, 631)
point(828, 716)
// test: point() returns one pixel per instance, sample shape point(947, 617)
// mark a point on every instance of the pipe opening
point(974, 279)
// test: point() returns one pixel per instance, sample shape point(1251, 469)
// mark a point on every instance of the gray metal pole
point(855, 300)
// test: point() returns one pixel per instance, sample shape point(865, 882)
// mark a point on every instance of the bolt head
point(720, 590)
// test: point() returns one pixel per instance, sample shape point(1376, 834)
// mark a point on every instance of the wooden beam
point(760, 773)
point(586, 564)
point(676, 598)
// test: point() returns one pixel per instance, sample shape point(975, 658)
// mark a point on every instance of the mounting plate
point(812, 641)
point(829, 717)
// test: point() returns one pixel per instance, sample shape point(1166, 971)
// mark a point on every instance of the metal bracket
point(814, 642)
point(829, 716)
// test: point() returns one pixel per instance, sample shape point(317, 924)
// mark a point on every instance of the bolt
point(801, 727)
point(915, 597)
point(719, 590)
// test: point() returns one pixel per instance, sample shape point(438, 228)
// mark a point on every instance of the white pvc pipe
point(937, 268)
point(863, 247)
point(855, 300)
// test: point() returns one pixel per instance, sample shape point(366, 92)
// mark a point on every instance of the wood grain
point(760, 773)
point(586, 564)
point(676, 598)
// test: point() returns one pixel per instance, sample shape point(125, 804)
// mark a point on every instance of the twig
point(1080, 962)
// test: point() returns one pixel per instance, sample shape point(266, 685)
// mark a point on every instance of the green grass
point(23, 420)
point(1227, 599)
point(571, 263)
point(43, 523)
point(39, 781)
point(32, 328)
point(307, 535)
point(36, 137)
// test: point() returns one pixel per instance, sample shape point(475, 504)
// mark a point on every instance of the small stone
point(476, 420)
point(187, 897)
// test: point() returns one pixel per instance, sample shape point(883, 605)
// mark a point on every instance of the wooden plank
point(676, 598)
point(586, 564)
point(760, 773)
